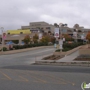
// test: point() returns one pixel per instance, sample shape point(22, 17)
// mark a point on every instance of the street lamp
point(75, 34)
point(2, 37)
point(60, 39)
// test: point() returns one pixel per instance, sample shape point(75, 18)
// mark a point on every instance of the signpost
point(56, 32)
point(61, 44)
point(75, 35)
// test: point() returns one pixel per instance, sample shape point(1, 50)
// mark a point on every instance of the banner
point(56, 32)
point(4, 35)
point(40, 36)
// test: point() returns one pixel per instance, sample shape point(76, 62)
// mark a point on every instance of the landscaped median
point(72, 63)
point(69, 49)
point(21, 50)
point(68, 52)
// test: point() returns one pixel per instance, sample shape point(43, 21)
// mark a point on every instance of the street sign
point(56, 32)
point(40, 36)
point(60, 42)
point(4, 35)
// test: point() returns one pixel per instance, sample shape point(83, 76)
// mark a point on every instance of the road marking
point(54, 77)
point(22, 78)
point(6, 76)
point(62, 79)
point(39, 79)
point(58, 82)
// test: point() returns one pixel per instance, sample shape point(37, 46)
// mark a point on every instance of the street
point(18, 73)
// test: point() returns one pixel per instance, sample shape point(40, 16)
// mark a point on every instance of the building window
point(64, 30)
point(79, 31)
point(48, 28)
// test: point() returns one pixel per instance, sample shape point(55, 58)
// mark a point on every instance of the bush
point(69, 46)
point(29, 45)
point(4, 49)
point(16, 47)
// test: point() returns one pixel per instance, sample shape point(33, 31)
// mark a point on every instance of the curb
point(63, 63)
point(22, 50)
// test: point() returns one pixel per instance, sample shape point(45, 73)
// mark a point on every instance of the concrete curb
point(64, 63)
point(22, 50)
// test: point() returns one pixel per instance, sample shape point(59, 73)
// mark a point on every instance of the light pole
point(2, 37)
point(75, 34)
point(60, 40)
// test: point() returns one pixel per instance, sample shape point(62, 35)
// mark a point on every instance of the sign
point(82, 37)
point(63, 39)
point(60, 42)
point(75, 34)
point(56, 32)
point(40, 36)
point(4, 35)
point(61, 47)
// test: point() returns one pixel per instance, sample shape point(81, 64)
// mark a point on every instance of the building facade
point(39, 26)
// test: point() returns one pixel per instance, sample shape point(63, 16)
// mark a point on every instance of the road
point(25, 58)
point(16, 73)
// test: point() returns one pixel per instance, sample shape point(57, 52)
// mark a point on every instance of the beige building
point(39, 26)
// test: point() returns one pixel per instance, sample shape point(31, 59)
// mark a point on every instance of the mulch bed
point(82, 59)
point(53, 57)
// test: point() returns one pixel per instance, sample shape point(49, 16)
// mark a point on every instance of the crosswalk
point(31, 77)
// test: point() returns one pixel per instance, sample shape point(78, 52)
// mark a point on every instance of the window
point(48, 28)
point(64, 30)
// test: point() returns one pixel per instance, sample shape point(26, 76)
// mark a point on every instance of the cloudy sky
point(16, 13)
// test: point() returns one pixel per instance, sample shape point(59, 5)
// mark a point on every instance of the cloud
point(16, 13)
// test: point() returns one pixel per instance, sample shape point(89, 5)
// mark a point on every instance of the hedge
point(29, 45)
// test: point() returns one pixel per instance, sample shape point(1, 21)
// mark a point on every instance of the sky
point(17, 13)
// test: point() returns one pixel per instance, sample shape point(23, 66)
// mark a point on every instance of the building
point(12, 32)
point(39, 27)
point(76, 28)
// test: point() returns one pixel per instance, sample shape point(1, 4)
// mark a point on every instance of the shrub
point(27, 39)
point(4, 49)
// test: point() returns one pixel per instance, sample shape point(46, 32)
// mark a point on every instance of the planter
point(68, 52)
point(85, 51)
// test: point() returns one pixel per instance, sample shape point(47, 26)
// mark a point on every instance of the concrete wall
point(84, 51)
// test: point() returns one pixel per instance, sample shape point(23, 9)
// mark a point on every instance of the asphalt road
point(25, 58)
point(16, 73)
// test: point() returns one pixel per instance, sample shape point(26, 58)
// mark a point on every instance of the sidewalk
point(67, 60)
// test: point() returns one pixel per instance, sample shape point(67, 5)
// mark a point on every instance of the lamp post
point(2, 37)
point(60, 39)
point(75, 34)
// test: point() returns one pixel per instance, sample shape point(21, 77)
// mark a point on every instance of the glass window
point(48, 28)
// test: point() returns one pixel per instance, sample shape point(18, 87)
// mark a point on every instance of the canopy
point(9, 43)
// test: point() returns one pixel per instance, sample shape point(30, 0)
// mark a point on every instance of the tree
point(88, 37)
point(67, 37)
point(52, 39)
point(56, 25)
point(35, 38)
point(27, 39)
point(45, 39)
